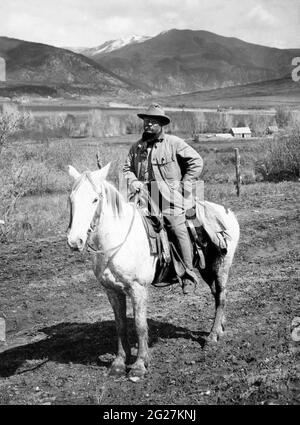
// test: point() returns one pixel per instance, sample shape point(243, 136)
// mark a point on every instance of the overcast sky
point(88, 23)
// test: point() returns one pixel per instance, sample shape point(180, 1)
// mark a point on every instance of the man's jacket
point(173, 162)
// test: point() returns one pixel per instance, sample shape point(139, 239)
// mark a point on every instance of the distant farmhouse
point(2, 69)
point(272, 129)
point(243, 132)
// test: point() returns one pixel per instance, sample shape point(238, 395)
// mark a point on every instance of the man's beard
point(147, 137)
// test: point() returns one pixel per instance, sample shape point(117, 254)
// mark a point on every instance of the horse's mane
point(113, 197)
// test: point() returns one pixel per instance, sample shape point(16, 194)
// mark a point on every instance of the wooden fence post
point(2, 330)
point(237, 170)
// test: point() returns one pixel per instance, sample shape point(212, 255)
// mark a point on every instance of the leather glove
point(136, 186)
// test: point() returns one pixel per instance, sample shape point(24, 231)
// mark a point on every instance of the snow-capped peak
point(111, 45)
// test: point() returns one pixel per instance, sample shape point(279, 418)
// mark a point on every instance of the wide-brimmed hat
point(157, 112)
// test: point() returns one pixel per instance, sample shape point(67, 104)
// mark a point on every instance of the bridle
point(110, 253)
point(87, 174)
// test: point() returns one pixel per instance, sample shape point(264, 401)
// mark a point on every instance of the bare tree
point(9, 124)
point(10, 188)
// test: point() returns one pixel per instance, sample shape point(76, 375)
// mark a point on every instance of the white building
point(243, 132)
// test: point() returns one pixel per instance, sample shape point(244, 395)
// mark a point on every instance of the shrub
point(10, 123)
point(70, 124)
point(133, 125)
point(283, 116)
point(43, 127)
point(260, 123)
point(12, 188)
point(103, 125)
point(281, 160)
point(54, 126)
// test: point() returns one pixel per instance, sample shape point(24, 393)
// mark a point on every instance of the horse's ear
point(102, 173)
point(73, 172)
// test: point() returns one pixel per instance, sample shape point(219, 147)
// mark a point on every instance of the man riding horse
point(165, 165)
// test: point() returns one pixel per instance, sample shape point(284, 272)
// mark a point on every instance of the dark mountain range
point(181, 61)
point(39, 64)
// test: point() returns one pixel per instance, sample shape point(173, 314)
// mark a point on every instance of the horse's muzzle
point(77, 244)
point(73, 248)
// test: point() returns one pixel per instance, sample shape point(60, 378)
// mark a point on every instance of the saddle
point(170, 265)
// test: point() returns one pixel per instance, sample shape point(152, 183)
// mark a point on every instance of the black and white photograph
point(149, 205)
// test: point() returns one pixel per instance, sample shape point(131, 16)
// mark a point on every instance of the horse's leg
point(218, 289)
point(118, 302)
point(139, 296)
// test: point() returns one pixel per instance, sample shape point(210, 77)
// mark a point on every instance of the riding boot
point(189, 282)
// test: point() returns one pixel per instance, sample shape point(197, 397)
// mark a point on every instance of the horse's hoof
point(137, 373)
point(212, 339)
point(134, 378)
point(117, 371)
point(223, 324)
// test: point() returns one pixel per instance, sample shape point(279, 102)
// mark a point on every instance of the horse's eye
point(95, 200)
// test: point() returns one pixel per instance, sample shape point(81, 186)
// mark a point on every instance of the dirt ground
point(61, 335)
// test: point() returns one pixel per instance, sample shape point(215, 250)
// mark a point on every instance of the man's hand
point(136, 186)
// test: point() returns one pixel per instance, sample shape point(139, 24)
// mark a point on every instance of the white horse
point(114, 232)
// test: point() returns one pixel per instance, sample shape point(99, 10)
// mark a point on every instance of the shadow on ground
point(85, 343)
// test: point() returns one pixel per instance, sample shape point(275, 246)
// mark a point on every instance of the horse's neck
point(113, 227)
